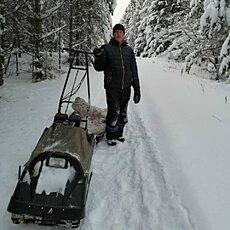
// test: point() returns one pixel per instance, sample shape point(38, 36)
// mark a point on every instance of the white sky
point(119, 10)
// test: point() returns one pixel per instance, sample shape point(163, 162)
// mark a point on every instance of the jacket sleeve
point(135, 83)
point(100, 61)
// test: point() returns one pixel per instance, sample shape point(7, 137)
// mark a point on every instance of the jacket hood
point(116, 43)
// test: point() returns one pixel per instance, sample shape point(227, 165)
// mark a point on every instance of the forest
point(195, 32)
point(41, 28)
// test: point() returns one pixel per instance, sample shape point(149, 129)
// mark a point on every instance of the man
point(118, 62)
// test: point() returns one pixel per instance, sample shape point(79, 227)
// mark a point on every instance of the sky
point(119, 10)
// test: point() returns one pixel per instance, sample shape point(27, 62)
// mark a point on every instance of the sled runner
point(54, 184)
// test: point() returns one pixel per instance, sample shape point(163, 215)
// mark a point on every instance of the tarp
point(66, 139)
point(96, 116)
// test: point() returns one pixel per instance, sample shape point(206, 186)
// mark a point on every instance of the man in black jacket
point(118, 62)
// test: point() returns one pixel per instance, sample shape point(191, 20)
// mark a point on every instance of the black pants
point(117, 104)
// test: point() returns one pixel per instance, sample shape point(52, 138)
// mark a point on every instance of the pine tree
point(215, 26)
point(2, 24)
point(40, 27)
point(158, 25)
point(212, 28)
point(130, 20)
point(195, 31)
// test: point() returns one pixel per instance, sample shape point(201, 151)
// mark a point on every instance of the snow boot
point(121, 139)
point(111, 142)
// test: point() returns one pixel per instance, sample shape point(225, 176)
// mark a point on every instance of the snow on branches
point(225, 58)
point(213, 17)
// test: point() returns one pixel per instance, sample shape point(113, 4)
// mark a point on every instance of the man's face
point(119, 36)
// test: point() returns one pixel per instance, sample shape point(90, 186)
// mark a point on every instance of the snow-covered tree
point(89, 22)
point(2, 30)
point(157, 26)
point(40, 27)
point(224, 69)
point(131, 21)
point(213, 21)
point(32, 27)
point(194, 31)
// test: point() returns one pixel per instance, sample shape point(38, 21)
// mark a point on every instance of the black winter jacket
point(119, 65)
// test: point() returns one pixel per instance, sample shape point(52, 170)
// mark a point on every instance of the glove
point(98, 52)
point(137, 95)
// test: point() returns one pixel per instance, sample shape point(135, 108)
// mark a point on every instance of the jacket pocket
point(108, 78)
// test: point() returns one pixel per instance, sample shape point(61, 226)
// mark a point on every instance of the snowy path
point(129, 189)
point(172, 172)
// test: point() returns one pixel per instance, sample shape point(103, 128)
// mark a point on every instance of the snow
point(58, 176)
point(50, 11)
point(225, 47)
point(210, 12)
point(228, 16)
point(224, 66)
point(215, 13)
point(171, 173)
point(193, 122)
point(113, 5)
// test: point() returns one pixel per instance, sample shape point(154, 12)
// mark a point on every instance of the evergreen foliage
point(40, 27)
point(2, 26)
point(195, 32)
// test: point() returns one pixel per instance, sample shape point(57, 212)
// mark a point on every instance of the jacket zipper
point(123, 68)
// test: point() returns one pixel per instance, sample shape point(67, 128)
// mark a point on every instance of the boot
point(111, 142)
point(121, 139)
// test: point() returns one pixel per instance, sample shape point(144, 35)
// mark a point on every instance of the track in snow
point(129, 189)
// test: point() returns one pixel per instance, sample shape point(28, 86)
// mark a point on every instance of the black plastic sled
point(53, 186)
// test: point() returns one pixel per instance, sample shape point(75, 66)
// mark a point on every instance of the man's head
point(119, 32)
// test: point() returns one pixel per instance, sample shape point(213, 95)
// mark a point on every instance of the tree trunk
point(1, 70)
point(59, 38)
point(37, 27)
point(1, 42)
point(37, 75)
point(71, 25)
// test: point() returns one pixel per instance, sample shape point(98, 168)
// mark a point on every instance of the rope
point(71, 92)
point(74, 89)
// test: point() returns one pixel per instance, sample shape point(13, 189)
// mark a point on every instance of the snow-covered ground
point(172, 173)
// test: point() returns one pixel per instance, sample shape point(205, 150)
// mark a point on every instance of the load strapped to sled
point(53, 187)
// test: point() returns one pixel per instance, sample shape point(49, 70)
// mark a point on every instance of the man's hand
point(137, 95)
point(98, 52)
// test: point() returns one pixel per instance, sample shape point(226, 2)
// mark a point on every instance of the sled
point(53, 186)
